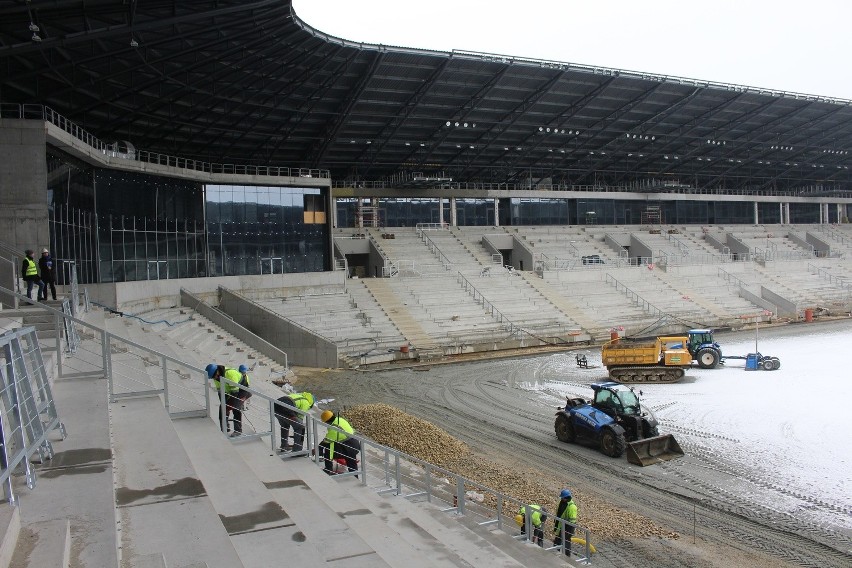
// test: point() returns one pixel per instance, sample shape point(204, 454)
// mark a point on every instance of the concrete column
point(453, 216)
point(781, 212)
point(23, 184)
point(441, 211)
point(786, 213)
point(756, 220)
point(496, 212)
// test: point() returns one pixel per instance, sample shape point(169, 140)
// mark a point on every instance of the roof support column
point(441, 211)
point(453, 217)
point(841, 213)
point(496, 212)
point(756, 220)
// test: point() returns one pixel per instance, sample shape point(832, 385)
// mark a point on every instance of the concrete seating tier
point(128, 474)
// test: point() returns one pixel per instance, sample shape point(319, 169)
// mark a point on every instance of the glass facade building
point(121, 226)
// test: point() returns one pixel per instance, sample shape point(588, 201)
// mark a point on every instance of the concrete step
point(261, 530)
point(338, 525)
point(45, 543)
point(77, 483)
point(10, 529)
point(156, 560)
point(155, 481)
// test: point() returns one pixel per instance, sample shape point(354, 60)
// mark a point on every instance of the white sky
point(792, 45)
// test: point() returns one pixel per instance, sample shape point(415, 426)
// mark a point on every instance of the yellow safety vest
point(232, 375)
point(32, 269)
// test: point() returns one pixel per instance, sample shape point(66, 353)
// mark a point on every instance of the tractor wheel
point(612, 444)
point(776, 363)
point(565, 429)
point(707, 358)
point(767, 364)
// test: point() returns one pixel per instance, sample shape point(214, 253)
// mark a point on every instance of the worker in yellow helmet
point(339, 443)
point(537, 518)
point(290, 412)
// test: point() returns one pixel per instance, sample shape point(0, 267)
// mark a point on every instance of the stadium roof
point(248, 82)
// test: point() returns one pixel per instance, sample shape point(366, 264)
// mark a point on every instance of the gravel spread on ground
point(392, 427)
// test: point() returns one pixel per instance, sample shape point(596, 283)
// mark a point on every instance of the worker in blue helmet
point(245, 393)
point(234, 395)
point(566, 514)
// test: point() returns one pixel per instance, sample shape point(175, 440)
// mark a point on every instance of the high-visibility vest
point(302, 400)
point(32, 269)
point(569, 513)
point(333, 436)
point(535, 519)
point(232, 375)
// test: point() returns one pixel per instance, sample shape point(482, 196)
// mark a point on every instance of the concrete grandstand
point(316, 202)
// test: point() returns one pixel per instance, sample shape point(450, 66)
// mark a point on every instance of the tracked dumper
point(660, 360)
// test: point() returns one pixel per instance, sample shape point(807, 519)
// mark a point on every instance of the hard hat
point(310, 398)
point(519, 518)
point(326, 415)
point(44, 250)
point(565, 494)
point(243, 369)
point(211, 369)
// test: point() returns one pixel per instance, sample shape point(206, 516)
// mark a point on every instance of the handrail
point(379, 463)
point(636, 298)
point(730, 277)
point(832, 279)
point(40, 112)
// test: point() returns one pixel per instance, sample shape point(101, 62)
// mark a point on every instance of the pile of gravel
point(392, 427)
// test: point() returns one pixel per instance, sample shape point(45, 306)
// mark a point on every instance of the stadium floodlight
point(540, 128)
point(449, 123)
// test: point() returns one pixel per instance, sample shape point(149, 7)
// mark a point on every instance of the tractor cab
point(699, 338)
point(703, 348)
point(615, 399)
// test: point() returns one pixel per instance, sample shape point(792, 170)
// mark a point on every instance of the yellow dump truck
point(660, 360)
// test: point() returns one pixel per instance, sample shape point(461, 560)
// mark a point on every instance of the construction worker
point(48, 274)
point(29, 272)
point(339, 442)
point(245, 394)
point(233, 396)
point(537, 519)
point(567, 511)
point(288, 417)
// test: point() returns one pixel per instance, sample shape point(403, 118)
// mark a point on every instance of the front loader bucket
point(653, 450)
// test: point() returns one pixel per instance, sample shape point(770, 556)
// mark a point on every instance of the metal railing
point(40, 112)
point(134, 370)
point(634, 297)
point(29, 413)
point(386, 470)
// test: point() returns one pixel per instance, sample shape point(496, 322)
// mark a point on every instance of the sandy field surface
point(765, 480)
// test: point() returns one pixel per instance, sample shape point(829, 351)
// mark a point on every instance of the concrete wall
point(252, 340)
point(786, 308)
point(819, 245)
point(23, 184)
point(736, 246)
point(145, 295)
point(302, 346)
point(639, 248)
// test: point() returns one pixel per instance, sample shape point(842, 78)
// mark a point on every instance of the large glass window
point(263, 230)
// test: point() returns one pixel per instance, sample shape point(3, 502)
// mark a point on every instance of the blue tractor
point(704, 350)
point(615, 422)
